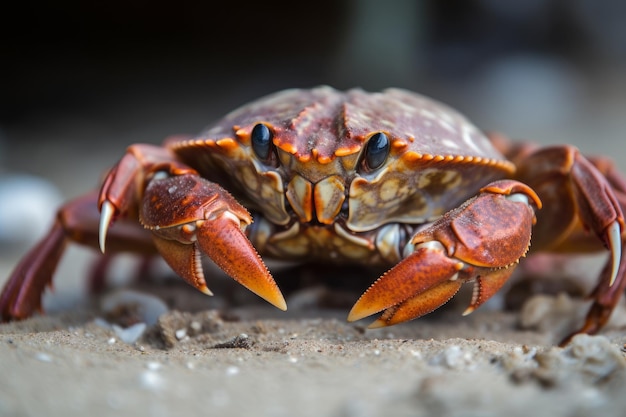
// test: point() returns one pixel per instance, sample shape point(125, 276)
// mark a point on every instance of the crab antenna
point(106, 215)
point(615, 241)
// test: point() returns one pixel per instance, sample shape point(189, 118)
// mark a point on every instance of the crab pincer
point(480, 241)
point(188, 216)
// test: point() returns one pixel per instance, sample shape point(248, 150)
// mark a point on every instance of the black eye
point(261, 138)
point(376, 150)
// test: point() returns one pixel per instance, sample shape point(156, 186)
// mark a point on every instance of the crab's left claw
point(482, 240)
point(189, 215)
point(419, 284)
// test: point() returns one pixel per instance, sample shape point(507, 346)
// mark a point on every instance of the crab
point(391, 179)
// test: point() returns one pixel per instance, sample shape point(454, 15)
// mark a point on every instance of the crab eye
point(377, 150)
point(261, 138)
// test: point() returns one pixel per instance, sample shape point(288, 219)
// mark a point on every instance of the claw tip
point(615, 245)
point(377, 324)
point(205, 290)
point(106, 215)
point(469, 310)
point(279, 303)
point(357, 314)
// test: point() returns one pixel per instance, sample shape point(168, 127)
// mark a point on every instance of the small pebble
point(232, 370)
point(416, 354)
point(196, 326)
point(151, 380)
point(454, 358)
point(153, 366)
point(43, 357)
point(130, 334)
point(147, 307)
point(180, 334)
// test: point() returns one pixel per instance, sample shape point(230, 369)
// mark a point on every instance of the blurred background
point(80, 81)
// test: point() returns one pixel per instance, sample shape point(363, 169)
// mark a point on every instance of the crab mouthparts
point(320, 202)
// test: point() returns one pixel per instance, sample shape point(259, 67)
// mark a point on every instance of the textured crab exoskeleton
point(388, 179)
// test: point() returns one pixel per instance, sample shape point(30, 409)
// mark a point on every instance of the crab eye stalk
point(261, 138)
point(376, 151)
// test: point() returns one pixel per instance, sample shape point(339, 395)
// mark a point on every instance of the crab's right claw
point(201, 217)
point(225, 243)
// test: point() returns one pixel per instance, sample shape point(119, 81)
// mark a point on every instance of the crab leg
point(21, 295)
point(607, 293)
point(581, 195)
point(480, 241)
point(187, 215)
point(76, 221)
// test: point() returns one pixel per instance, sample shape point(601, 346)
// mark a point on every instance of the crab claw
point(419, 284)
point(480, 241)
point(188, 216)
point(226, 244)
point(423, 282)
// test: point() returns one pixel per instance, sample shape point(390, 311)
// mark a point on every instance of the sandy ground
point(205, 356)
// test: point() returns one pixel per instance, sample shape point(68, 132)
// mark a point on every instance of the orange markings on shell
point(287, 147)
point(347, 150)
point(227, 143)
point(399, 143)
point(324, 159)
point(243, 135)
point(412, 156)
point(415, 157)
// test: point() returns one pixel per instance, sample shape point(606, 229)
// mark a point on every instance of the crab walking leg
point(601, 201)
point(480, 241)
point(76, 221)
point(609, 289)
point(189, 215)
point(579, 193)
point(21, 295)
point(584, 204)
point(605, 297)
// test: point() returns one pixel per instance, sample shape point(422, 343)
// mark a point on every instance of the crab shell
point(316, 175)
